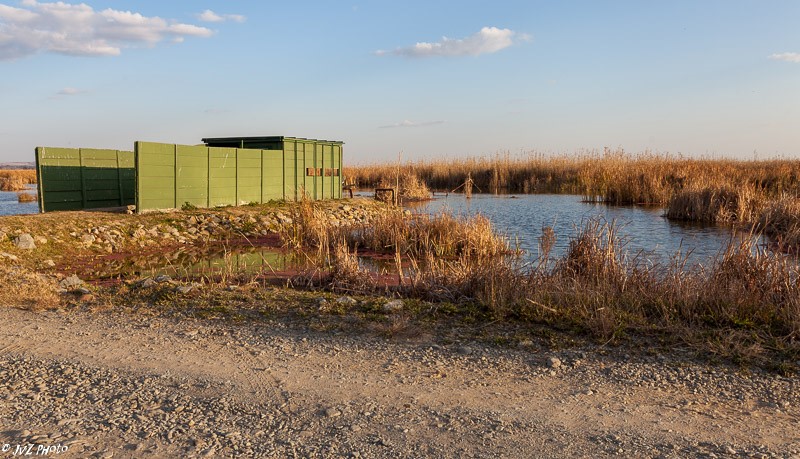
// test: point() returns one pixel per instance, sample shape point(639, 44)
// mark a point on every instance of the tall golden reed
point(16, 179)
point(612, 176)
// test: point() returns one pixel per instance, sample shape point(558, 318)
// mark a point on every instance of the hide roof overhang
point(258, 139)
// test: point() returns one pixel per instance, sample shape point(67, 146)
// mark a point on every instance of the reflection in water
point(217, 262)
point(644, 231)
point(187, 262)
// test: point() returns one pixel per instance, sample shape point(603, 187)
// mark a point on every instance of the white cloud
point(788, 57)
point(210, 16)
point(408, 123)
point(71, 92)
point(68, 92)
point(79, 30)
point(487, 40)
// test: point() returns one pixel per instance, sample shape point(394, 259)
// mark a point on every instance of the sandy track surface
point(114, 385)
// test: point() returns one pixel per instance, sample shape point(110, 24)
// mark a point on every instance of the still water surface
point(644, 230)
point(9, 204)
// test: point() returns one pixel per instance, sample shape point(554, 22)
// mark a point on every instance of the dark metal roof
point(257, 139)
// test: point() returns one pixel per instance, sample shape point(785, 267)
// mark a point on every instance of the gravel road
point(116, 385)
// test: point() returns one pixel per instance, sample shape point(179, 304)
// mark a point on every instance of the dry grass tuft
point(412, 188)
point(440, 235)
point(595, 254)
point(725, 204)
point(26, 289)
point(309, 227)
point(780, 220)
point(26, 197)
point(345, 273)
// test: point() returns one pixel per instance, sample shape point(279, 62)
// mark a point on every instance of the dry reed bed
point(745, 302)
point(778, 217)
point(611, 176)
point(394, 231)
point(714, 191)
point(15, 180)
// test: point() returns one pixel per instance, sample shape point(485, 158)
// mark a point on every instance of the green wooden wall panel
point(53, 206)
point(61, 185)
point(248, 175)
point(337, 178)
point(327, 162)
point(155, 176)
point(65, 196)
point(103, 195)
point(272, 173)
point(191, 175)
point(108, 173)
point(102, 204)
point(95, 185)
point(294, 180)
point(222, 176)
point(84, 178)
point(61, 173)
point(214, 176)
point(127, 163)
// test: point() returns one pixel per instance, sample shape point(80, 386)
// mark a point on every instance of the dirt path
point(111, 385)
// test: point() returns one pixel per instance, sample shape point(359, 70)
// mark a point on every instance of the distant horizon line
point(527, 153)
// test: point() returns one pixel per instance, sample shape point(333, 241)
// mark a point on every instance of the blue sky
point(699, 78)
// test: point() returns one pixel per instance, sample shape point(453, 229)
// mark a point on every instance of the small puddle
point(213, 262)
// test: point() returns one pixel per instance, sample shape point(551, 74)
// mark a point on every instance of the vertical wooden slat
point(83, 179)
point(236, 203)
point(175, 177)
point(119, 183)
point(39, 188)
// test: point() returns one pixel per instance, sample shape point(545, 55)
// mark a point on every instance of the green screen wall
point(169, 175)
point(84, 178)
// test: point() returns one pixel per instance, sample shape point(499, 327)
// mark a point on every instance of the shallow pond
point(9, 204)
point(644, 230)
point(217, 261)
point(189, 262)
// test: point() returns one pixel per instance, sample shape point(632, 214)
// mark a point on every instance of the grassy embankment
point(764, 193)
